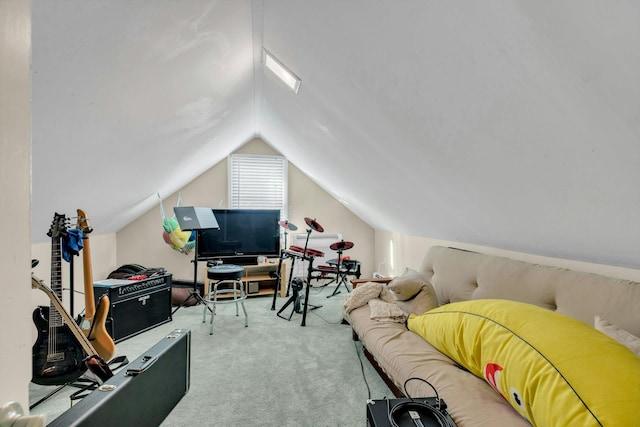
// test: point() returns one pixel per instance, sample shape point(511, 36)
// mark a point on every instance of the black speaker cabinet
point(136, 305)
point(142, 394)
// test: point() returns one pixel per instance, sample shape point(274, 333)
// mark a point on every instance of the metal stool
point(229, 275)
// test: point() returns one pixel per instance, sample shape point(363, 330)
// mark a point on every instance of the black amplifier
point(136, 305)
point(142, 394)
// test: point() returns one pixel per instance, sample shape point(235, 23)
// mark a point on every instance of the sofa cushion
point(459, 275)
point(408, 285)
point(623, 337)
point(424, 301)
point(554, 370)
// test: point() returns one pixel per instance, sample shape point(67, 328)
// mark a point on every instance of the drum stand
point(341, 276)
point(295, 297)
point(297, 285)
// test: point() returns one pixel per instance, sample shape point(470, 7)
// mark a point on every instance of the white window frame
point(252, 177)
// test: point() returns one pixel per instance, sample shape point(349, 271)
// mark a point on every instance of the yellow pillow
point(554, 370)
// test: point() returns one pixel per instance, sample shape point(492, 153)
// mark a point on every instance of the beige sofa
point(458, 275)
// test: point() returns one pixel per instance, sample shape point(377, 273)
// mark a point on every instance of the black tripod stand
point(194, 292)
point(296, 286)
point(198, 219)
point(299, 306)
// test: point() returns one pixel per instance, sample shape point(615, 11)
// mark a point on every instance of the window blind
point(258, 182)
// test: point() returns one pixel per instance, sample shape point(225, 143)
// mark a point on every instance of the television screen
point(243, 235)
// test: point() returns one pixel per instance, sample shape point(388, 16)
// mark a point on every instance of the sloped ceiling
point(501, 123)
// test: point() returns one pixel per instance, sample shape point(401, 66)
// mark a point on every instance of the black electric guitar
point(92, 361)
point(57, 355)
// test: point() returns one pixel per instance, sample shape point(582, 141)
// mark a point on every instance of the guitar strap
point(87, 384)
point(118, 362)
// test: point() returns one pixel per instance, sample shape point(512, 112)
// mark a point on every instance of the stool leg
point(213, 312)
point(237, 290)
point(206, 307)
point(212, 289)
point(243, 297)
point(246, 317)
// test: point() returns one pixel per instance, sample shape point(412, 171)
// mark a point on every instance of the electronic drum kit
point(307, 254)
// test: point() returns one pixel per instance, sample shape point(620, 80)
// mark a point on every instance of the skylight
point(283, 72)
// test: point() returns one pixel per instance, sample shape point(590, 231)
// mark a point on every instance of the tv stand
point(264, 275)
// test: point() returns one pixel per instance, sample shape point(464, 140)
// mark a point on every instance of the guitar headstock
point(58, 226)
point(83, 222)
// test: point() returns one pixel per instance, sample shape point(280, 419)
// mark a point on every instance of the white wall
point(141, 241)
point(15, 200)
point(408, 251)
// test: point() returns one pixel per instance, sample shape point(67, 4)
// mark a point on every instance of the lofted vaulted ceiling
point(501, 123)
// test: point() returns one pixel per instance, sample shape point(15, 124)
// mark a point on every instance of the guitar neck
point(55, 319)
point(89, 302)
point(62, 314)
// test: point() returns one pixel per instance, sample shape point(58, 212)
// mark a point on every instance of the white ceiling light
point(281, 71)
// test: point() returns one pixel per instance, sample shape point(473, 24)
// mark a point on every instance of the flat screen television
point(243, 235)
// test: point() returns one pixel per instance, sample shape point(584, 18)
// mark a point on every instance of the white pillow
point(623, 337)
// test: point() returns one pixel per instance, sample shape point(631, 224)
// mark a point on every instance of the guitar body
point(97, 333)
point(58, 361)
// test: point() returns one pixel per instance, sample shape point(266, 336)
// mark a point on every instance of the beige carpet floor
point(272, 373)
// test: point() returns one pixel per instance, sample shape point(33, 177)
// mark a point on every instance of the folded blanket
point(363, 293)
point(386, 312)
point(381, 303)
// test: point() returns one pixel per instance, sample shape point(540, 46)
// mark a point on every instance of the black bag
point(129, 270)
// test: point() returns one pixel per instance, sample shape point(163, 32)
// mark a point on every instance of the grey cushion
point(408, 285)
point(424, 301)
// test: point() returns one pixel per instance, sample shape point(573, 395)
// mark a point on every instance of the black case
point(378, 413)
point(136, 305)
point(144, 391)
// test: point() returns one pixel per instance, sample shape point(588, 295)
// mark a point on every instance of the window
point(258, 182)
